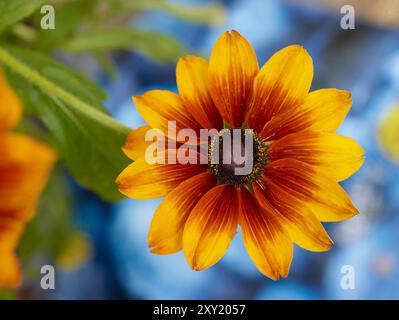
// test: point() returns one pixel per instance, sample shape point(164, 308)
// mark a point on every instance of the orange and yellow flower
point(24, 168)
point(302, 162)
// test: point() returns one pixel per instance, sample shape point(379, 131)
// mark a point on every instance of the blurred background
point(100, 249)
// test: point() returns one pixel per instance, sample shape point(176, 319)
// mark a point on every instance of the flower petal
point(157, 107)
point(302, 225)
point(323, 110)
point(336, 156)
point(210, 227)
point(282, 84)
point(166, 230)
point(192, 82)
point(232, 68)
point(10, 105)
point(135, 145)
point(24, 168)
point(10, 275)
point(267, 242)
point(10, 232)
point(310, 188)
point(142, 180)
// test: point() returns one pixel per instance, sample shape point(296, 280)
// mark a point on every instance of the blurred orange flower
point(25, 165)
point(298, 158)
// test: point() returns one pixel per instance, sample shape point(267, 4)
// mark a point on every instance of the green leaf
point(8, 294)
point(207, 14)
point(87, 138)
point(12, 11)
point(157, 46)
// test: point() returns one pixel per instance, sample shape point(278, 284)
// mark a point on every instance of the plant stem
point(51, 88)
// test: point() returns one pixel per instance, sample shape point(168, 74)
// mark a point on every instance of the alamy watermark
point(348, 18)
point(348, 278)
point(47, 282)
point(48, 19)
point(233, 147)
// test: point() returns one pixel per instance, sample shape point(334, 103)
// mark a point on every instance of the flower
point(24, 168)
point(388, 133)
point(298, 158)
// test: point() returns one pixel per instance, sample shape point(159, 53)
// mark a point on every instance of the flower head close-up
point(297, 159)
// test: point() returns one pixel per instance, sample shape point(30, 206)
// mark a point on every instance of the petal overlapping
point(232, 68)
point(142, 180)
point(336, 156)
point(167, 225)
point(210, 227)
point(135, 144)
point(301, 185)
point(282, 84)
point(323, 110)
point(192, 82)
point(158, 107)
point(267, 242)
point(302, 225)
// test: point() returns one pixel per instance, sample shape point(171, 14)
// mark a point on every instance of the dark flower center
point(237, 157)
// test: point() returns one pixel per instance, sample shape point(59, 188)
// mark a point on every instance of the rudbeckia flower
point(299, 160)
point(24, 168)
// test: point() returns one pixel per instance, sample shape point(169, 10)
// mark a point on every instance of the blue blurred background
point(364, 61)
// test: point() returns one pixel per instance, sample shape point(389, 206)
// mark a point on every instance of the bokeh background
point(104, 252)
